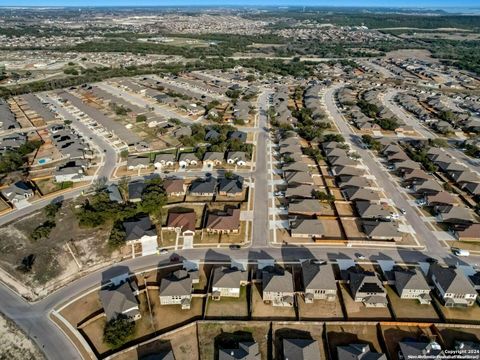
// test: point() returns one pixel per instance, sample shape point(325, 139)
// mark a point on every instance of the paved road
point(381, 175)
point(409, 119)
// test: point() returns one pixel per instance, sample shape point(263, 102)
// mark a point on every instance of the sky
point(432, 4)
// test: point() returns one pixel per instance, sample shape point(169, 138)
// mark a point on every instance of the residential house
point(367, 210)
point(367, 288)
point(361, 194)
point(137, 162)
point(318, 281)
point(428, 187)
point(139, 229)
point(455, 215)
point(306, 228)
point(358, 352)
point(120, 300)
point(135, 190)
point(114, 193)
point(18, 191)
point(412, 349)
point(299, 191)
point(227, 282)
point(452, 286)
point(212, 159)
point(297, 178)
point(381, 230)
point(305, 207)
point(187, 159)
point(71, 171)
point(244, 351)
point(225, 222)
point(277, 286)
point(471, 232)
point(237, 157)
point(411, 284)
point(164, 160)
point(300, 349)
point(230, 187)
point(174, 187)
point(176, 288)
point(181, 222)
point(203, 187)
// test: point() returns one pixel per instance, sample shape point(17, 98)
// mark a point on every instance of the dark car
point(431, 260)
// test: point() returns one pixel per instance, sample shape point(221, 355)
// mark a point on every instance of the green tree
point(117, 236)
point(118, 331)
point(141, 118)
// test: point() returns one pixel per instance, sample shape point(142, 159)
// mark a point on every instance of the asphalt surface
point(32, 317)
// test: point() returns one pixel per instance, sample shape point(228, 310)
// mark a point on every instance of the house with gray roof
point(244, 351)
point(203, 187)
point(7, 118)
point(411, 284)
point(356, 194)
point(307, 207)
point(227, 282)
point(277, 286)
point(413, 349)
point(138, 229)
point(188, 159)
point(137, 162)
point(455, 215)
point(176, 288)
point(114, 193)
point(452, 286)
point(298, 177)
point(71, 171)
point(18, 191)
point(367, 288)
point(237, 157)
point(299, 191)
point(12, 142)
point(213, 158)
point(368, 210)
point(182, 131)
point(318, 281)
point(135, 190)
point(381, 230)
point(120, 300)
point(306, 228)
point(230, 187)
point(358, 352)
point(300, 349)
point(164, 160)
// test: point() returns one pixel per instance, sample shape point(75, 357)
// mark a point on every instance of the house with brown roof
point(381, 230)
point(174, 187)
point(471, 232)
point(306, 207)
point(225, 222)
point(306, 228)
point(181, 222)
point(455, 215)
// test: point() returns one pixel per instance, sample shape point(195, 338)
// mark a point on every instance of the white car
point(361, 257)
point(163, 252)
point(460, 252)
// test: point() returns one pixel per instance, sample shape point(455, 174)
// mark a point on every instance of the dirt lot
point(49, 256)
point(359, 311)
point(319, 310)
point(410, 309)
point(392, 335)
point(14, 344)
point(214, 334)
point(260, 310)
point(228, 307)
point(183, 342)
point(82, 308)
point(345, 334)
point(313, 331)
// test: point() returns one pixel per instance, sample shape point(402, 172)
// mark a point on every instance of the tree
point(52, 209)
point(118, 331)
point(117, 236)
point(141, 118)
point(322, 196)
point(438, 142)
point(154, 197)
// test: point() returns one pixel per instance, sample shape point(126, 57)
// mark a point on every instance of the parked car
point(460, 252)
point(163, 251)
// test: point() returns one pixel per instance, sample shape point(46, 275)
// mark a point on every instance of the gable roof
point(301, 349)
point(451, 279)
point(277, 280)
point(318, 276)
point(231, 186)
point(173, 186)
point(117, 300)
point(224, 221)
point(410, 279)
point(139, 227)
point(178, 283)
point(226, 277)
point(183, 220)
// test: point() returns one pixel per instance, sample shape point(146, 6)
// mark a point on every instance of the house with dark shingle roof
point(277, 286)
point(411, 284)
point(230, 187)
point(318, 281)
point(120, 300)
point(176, 288)
point(244, 351)
point(411, 349)
point(18, 191)
point(306, 228)
point(227, 282)
point(452, 286)
point(300, 349)
point(203, 187)
point(381, 230)
point(135, 190)
point(358, 352)
point(367, 288)
point(139, 228)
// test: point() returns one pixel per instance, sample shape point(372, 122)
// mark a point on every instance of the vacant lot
point(38, 262)
point(357, 311)
point(14, 344)
point(228, 307)
point(345, 334)
point(260, 310)
point(211, 335)
point(79, 310)
point(410, 309)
